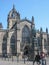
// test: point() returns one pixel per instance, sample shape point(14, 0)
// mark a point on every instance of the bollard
point(8, 58)
point(5, 56)
point(2, 57)
point(17, 57)
point(12, 57)
point(24, 60)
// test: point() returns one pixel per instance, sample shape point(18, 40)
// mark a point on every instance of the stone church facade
point(18, 35)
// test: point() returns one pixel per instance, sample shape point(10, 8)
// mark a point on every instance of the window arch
point(12, 40)
point(4, 45)
point(25, 35)
point(12, 44)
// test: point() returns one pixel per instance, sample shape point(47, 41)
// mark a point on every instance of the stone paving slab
point(14, 63)
point(10, 62)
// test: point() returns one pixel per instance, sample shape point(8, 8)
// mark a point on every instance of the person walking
point(37, 59)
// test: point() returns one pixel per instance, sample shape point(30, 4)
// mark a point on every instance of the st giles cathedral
point(21, 35)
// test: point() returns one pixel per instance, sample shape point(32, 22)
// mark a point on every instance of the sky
point(27, 8)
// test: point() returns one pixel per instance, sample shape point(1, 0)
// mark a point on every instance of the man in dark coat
point(37, 59)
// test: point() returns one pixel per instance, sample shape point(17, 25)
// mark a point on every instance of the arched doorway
point(12, 45)
point(26, 50)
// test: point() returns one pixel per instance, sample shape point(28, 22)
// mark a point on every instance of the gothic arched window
point(25, 35)
point(12, 44)
point(4, 45)
point(12, 40)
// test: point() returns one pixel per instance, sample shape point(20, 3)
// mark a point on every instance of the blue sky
point(27, 8)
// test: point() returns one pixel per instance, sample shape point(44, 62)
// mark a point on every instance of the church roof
point(25, 19)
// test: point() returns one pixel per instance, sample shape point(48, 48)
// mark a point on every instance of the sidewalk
point(15, 62)
point(4, 61)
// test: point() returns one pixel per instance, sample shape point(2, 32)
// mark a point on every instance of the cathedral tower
point(13, 17)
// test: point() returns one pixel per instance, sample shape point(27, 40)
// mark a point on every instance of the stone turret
point(13, 13)
point(32, 23)
point(13, 17)
point(32, 20)
point(41, 30)
point(1, 26)
point(46, 30)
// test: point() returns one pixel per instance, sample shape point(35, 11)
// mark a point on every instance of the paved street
point(15, 62)
point(3, 62)
point(47, 60)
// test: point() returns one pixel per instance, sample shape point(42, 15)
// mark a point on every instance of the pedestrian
point(37, 59)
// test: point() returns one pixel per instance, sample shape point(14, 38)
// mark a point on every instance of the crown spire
point(13, 7)
point(32, 20)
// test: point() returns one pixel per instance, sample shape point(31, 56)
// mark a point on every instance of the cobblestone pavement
point(47, 61)
point(4, 61)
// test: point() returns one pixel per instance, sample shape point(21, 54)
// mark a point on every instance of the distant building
point(18, 35)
